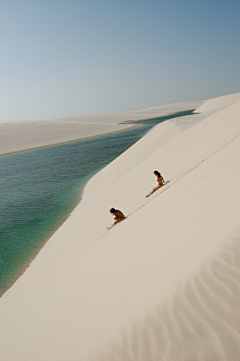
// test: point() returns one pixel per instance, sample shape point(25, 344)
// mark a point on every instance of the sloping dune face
point(161, 285)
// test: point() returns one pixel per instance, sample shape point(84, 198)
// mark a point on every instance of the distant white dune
point(219, 102)
point(25, 135)
point(164, 284)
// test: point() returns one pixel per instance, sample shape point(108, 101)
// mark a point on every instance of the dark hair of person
point(157, 173)
point(112, 210)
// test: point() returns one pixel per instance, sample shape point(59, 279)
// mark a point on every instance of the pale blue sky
point(68, 57)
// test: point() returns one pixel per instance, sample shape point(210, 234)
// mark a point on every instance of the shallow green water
point(39, 188)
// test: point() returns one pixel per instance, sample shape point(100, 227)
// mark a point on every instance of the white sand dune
point(162, 285)
point(25, 135)
point(218, 103)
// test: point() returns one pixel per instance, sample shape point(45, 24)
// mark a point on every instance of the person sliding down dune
point(118, 215)
point(160, 181)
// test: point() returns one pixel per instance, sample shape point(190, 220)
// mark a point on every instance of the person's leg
point(154, 190)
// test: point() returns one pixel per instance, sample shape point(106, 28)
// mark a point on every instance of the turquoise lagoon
point(39, 189)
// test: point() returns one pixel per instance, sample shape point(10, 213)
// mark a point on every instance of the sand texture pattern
point(162, 285)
